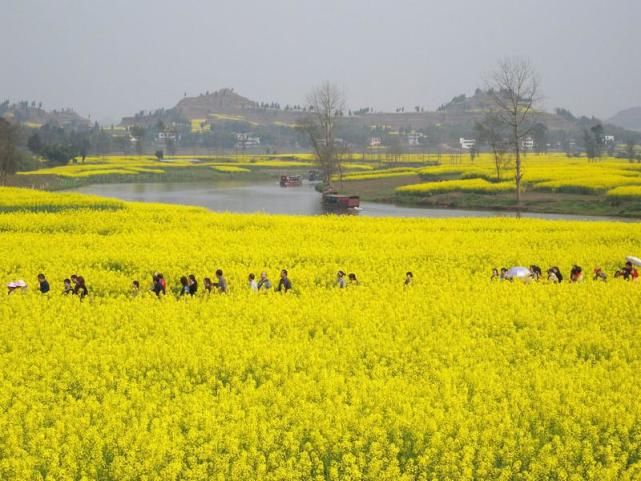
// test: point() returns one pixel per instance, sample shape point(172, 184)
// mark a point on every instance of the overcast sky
point(110, 58)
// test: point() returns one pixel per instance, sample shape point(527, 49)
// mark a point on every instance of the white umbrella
point(634, 260)
point(518, 273)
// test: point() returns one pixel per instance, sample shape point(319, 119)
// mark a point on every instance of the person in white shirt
point(253, 286)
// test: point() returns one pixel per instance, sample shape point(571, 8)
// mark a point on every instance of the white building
point(166, 135)
point(375, 141)
point(608, 140)
point(414, 139)
point(246, 140)
point(467, 144)
point(527, 143)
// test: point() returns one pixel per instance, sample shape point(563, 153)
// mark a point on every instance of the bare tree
point(629, 148)
point(514, 89)
point(395, 150)
point(492, 132)
point(326, 105)
point(138, 133)
point(9, 156)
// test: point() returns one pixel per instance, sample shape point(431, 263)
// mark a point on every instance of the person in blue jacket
point(44, 284)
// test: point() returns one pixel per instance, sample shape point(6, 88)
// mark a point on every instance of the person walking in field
point(184, 286)
point(253, 285)
point(135, 288)
point(284, 284)
point(221, 285)
point(352, 279)
point(43, 284)
point(576, 274)
point(163, 282)
point(264, 283)
point(599, 275)
point(554, 275)
point(340, 280)
point(536, 271)
point(193, 285)
point(409, 279)
point(156, 286)
point(207, 285)
point(630, 272)
point(81, 288)
point(68, 288)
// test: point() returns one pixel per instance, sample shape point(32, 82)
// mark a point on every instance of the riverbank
point(384, 190)
point(381, 191)
point(190, 174)
point(555, 185)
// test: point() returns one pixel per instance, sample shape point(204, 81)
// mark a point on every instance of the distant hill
point(222, 101)
point(227, 106)
point(229, 113)
point(33, 115)
point(223, 105)
point(628, 119)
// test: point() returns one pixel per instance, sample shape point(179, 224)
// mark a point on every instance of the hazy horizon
point(117, 58)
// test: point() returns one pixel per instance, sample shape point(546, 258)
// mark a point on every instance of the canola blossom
point(378, 174)
point(465, 185)
point(231, 169)
point(455, 377)
point(547, 172)
point(117, 165)
point(632, 191)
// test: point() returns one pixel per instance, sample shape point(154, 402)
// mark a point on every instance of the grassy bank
point(143, 169)
point(384, 190)
point(552, 183)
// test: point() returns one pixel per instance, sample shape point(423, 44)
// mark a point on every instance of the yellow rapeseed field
point(453, 378)
point(230, 169)
point(464, 185)
point(546, 172)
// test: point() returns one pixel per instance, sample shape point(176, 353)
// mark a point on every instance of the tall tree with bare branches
point(514, 89)
point(326, 104)
point(9, 156)
point(491, 131)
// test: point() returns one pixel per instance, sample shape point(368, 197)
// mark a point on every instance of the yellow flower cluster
point(551, 172)
point(115, 165)
point(379, 174)
point(455, 377)
point(466, 185)
point(626, 191)
point(231, 169)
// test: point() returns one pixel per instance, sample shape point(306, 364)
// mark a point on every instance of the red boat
point(290, 180)
point(335, 200)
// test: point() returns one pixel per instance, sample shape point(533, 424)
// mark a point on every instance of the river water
point(269, 197)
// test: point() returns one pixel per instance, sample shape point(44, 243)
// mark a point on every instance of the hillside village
point(224, 120)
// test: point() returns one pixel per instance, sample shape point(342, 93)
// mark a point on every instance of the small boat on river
point(334, 200)
point(291, 180)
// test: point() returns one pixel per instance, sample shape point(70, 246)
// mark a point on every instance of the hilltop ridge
point(628, 119)
point(32, 114)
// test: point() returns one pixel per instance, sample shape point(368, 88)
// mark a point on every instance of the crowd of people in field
point(534, 273)
point(73, 285)
point(189, 285)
